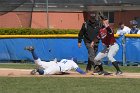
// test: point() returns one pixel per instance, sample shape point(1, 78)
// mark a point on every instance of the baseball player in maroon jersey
point(106, 35)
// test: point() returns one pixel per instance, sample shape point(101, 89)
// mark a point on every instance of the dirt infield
point(6, 72)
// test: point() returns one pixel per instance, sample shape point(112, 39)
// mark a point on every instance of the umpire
point(88, 32)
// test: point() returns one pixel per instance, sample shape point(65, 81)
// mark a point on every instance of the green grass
point(68, 85)
point(17, 65)
point(133, 69)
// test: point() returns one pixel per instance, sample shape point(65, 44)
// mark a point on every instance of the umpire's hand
point(79, 45)
point(92, 44)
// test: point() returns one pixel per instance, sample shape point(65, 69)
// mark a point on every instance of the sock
point(80, 71)
point(115, 64)
point(100, 67)
point(40, 71)
point(34, 55)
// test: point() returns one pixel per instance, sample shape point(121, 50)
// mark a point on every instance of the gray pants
point(91, 55)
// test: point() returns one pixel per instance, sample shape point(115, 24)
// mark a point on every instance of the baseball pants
point(108, 52)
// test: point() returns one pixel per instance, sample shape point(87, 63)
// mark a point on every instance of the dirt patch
point(6, 72)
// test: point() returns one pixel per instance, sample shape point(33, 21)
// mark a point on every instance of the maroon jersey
point(107, 37)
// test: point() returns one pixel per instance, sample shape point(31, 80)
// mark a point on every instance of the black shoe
point(100, 72)
point(104, 73)
point(119, 73)
point(107, 73)
point(29, 48)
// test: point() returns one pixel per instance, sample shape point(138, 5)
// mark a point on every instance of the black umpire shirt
point(88, 32)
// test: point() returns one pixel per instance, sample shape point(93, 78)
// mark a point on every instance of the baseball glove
point(33, 72)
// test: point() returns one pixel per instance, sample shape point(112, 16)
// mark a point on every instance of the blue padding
point(48, 49)
point(133, 49)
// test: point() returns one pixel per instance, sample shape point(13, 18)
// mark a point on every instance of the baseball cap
point(133, 22)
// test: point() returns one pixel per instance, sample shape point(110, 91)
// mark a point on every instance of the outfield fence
point(49, 47)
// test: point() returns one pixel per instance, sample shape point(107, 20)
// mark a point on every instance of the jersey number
point(64, 61)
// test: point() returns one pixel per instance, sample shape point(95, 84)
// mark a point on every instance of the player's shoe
point(33, 72)
point(104, 73)
point(101, 73)
point(118, 73)
point(107, 73)
point(29, 48)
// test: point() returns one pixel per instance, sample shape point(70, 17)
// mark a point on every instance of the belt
point(111, 44)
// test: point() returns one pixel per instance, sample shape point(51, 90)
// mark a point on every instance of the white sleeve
point(118, 32)
point(128, 30)
point(138, 32)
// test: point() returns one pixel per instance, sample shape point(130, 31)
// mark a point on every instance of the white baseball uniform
point(44, 64)
point(125, 30)
point(67, 65)
point(138, 32)
point(54, 67)
point(109, 52)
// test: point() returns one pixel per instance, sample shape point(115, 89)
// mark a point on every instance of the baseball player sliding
point(106, 35)
point(53, 67)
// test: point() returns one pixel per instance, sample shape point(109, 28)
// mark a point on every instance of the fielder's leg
point(112, 52)
point(115, 64)
point(98, 63)
point(31, 49)
point(35, 57)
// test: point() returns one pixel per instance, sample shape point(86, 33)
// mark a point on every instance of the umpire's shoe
point(29, 48)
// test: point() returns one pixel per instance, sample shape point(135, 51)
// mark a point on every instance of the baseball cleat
point(118, 73)
point(29, 48)
point(104, 73)
point(101, 73)
point(107, 73)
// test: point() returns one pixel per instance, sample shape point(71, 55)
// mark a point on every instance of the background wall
point(48, 49)
point(125, 16)
point(59, 20)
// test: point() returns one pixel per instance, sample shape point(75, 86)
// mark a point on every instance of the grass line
point(132, 69)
